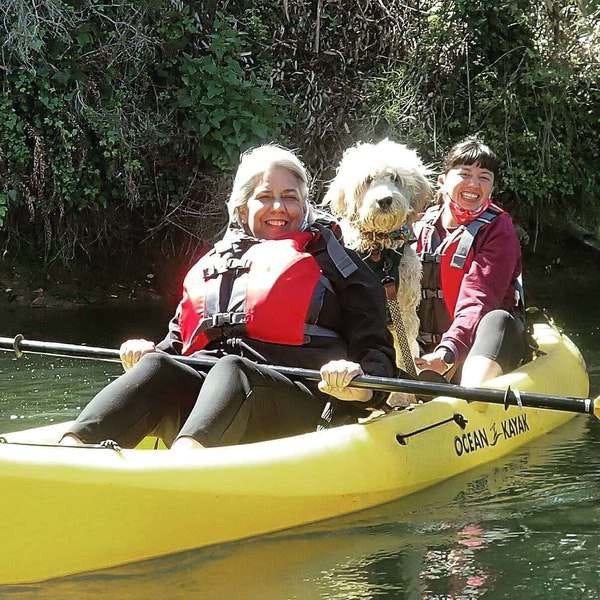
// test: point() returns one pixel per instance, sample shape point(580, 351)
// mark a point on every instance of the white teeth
point(276, 223)
point(469, 196)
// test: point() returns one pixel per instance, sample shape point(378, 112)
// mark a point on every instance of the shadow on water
point(93, 326)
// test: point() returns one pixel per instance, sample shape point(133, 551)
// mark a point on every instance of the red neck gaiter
point(464, 216)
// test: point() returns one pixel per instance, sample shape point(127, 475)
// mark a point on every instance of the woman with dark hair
point(279, 288)
point(471, 312)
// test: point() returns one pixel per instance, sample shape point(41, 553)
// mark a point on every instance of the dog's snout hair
point(382, 206)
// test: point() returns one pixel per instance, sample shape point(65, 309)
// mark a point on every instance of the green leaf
point(84, 38)
point(61, 77)
point(210, 66)
point(212, 89)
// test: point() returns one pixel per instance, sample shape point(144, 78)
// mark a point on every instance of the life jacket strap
point(427, 294)
point(519, 292)
point(229, 265)
point(236, 319)
point(431, 257)
point(318, 331)
point(430, 338)
point(318, 299)
point(228, 319)
point(343, 263)
point(464, 246)
point(468, 237)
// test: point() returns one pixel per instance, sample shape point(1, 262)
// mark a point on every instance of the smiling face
point(276, 206)
point(469, 186)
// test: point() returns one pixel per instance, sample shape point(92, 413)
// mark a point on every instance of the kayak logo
point(509, 428)
point(471, 441)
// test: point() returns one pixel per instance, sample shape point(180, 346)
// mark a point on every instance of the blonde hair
point(253, 164)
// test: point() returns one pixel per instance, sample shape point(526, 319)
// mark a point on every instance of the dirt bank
point(152, 281)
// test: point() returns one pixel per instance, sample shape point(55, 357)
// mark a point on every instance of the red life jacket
point(445, 263)
point(266, 290)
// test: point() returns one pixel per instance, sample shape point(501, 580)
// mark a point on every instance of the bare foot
point(186, 443)
point(70, 440)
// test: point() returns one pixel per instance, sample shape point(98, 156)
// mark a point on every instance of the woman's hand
point(336, 376)
point(434, 361)
point(131, 351)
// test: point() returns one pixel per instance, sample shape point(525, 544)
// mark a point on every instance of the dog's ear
point(423, 193)
point(335, 198)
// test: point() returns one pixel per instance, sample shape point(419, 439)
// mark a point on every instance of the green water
point(526, 527)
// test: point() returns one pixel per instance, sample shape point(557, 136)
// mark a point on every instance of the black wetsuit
point(239, 400)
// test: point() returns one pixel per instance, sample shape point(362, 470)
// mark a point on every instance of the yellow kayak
point(68, 510)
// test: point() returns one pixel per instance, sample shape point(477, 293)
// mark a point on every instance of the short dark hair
point(472, 151)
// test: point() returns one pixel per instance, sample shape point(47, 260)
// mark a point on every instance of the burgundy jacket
point(488, 284)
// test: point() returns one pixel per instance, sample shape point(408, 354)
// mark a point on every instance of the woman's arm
point(365, 322)
point(364, 327)
point(172, 343)
point(496, 261)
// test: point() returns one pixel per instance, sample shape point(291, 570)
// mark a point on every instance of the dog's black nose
point(385, 202)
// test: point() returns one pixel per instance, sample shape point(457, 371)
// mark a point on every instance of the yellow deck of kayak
point(68, 510)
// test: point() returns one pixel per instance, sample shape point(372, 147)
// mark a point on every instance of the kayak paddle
point(506, 397)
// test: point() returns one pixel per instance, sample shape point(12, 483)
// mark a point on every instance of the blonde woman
point(279, 288)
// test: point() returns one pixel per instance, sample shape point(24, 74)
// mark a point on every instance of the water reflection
point(36, 390)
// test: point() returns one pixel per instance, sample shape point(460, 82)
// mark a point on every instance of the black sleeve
point(172, 344)
point(364, 318)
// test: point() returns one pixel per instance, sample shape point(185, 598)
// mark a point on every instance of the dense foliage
point(121, 121)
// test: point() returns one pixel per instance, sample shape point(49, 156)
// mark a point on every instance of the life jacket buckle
point(209, 272)
point(229, 265)
point(427, 294)
point(431, 257)
point(237, 265)
point(227, 319)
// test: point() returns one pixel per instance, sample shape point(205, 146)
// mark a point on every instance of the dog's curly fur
point(377, 190)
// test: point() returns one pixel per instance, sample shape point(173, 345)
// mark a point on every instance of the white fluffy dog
point(377, 193)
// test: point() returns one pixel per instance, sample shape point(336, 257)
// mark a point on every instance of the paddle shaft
point(385, 384)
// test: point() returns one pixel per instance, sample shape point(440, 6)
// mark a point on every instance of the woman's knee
point(156, 361)
point(500, 338)
point(230, 364)
point(164, 374)
point(228, 373)
point(158, 365)
point(496, 320)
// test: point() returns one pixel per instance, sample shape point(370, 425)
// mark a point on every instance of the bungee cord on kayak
point(105, 445)
point(402, 438)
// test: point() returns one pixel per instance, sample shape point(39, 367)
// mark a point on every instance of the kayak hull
point(69, 510)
